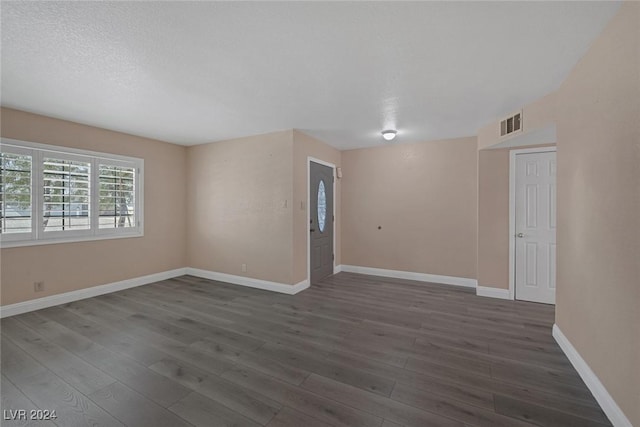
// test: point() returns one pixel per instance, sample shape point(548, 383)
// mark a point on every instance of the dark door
point(321, 227)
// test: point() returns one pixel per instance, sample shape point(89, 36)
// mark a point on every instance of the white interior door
point(535, 264)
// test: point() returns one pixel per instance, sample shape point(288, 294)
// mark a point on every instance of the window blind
point(15, 193)
point(66, 194)
point(117, 196)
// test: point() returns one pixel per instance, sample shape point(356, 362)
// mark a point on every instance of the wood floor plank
point(72, 407)
point(104, 334)
point(137, 377)
point(313, 405)
point(204, 412)
point(174, 301)
point(144, 319)
point(476, 345)
point(448, 389)
point(133, 409)
point(381, 406)
point(59, 334)
point(13, 401)
point(247, 402)
point(217, 349)
point(282, 371)
point(470, 415)
point(209, 362)
point(352, 350)
point(72, 369)
point(138, 305)
point(439, 352)
point(48, 392)
point(288, 417)
point(542, 416)
point(530, 374)
point(16, 363)
point(546, 355)
point(577, 407)
point(430, 368)
point(348, 374)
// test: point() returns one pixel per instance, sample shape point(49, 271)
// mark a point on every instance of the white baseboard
point(608, 405)
point(337, 269)
point(67, 297)
point(486, 291)
point(248, 281)
point(410, 275)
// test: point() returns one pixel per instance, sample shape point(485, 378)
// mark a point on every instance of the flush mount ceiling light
point(389, 134)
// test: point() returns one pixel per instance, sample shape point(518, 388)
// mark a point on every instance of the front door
point(535, 227)
point(321, 221)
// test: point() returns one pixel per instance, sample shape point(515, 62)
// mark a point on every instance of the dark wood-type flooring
point(353, 350)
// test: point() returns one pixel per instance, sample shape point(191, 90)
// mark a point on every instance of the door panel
point(535, 227)
point(321, 221)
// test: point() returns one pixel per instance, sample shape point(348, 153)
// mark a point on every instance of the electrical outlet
point(244, 268)
point(38, 286)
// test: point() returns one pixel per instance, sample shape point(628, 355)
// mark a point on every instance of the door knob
point(312, 230)
point(520, 235)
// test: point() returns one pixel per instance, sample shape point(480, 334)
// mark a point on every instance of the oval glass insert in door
point(322, 206)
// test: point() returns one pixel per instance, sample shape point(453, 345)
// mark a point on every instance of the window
point(66, 196)
point(53, 194)
point(117, 196)
point(322, 206)
point(16, 202)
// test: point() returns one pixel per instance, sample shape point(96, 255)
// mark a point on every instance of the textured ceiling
point(199, 72)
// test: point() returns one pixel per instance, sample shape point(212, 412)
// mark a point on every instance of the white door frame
point(512, 211)
point(333, 167)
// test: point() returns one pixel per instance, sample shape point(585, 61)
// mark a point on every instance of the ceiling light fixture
point(389, 134)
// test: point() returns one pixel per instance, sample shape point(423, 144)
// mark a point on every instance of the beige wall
point(240, 207)
point(598, 294)
point(424, 196)
point(305, 146)
point(536, 115)
point(248, 205)
point(493, 218)
point(71, 266)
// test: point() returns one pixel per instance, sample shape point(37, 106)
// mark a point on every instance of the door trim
point(333, 222)
point(512, 211)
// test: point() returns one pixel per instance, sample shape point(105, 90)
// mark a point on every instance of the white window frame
point(39, 182)
point(18, 237)
point(95, 213)
point(38, 236)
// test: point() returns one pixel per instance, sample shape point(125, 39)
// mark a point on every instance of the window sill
point(21, 243)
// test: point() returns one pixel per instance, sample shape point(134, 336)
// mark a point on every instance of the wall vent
point(511, 125)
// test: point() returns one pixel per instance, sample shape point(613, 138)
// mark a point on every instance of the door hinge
point(333, 257)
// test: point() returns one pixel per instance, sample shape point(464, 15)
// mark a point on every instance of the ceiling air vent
point(511, 124)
